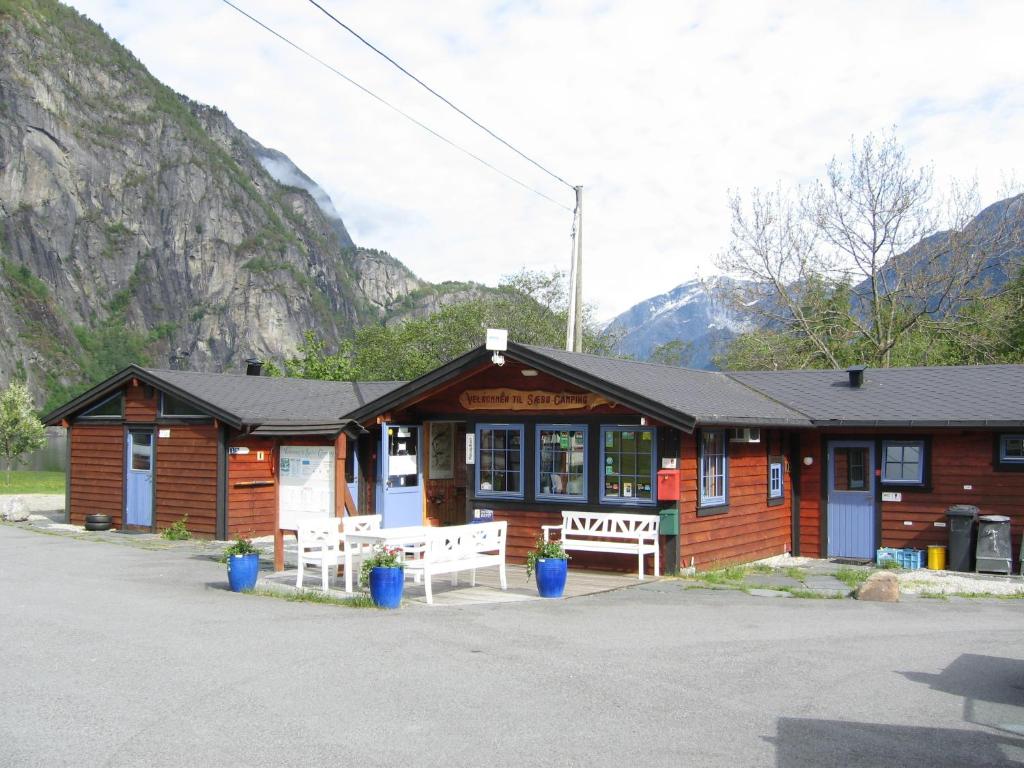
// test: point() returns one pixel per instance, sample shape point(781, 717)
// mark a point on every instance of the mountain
point(135, 222)
point(690, 312)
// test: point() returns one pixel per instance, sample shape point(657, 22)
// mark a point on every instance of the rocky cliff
point(134, 222)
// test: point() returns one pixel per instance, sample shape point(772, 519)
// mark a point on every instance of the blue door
point(400, 476)
point(851, 499)
point(138, 482)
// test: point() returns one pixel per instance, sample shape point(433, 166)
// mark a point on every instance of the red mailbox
point(668, 485)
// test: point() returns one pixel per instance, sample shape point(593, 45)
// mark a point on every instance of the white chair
point(319, 542)
point(359, 524)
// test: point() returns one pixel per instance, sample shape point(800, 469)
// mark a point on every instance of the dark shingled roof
point(981, 395)
point(282, 406)
point(272, 400)
point(709, 397)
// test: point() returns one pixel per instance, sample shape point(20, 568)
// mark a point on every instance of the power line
point(407, 73)
point(392, 107)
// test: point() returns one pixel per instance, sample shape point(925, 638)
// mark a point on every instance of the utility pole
point(574, 324)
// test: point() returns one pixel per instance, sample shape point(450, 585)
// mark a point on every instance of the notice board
point(306, 481)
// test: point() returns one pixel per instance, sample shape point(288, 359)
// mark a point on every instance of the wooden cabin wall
point(811, 543)
point(252, 511)
point(749, 528)
point(140, 404)
point(958, 458)
point(186, 478)
point(96, 472)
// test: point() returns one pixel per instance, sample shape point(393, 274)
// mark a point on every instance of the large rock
point(880, 587)
point(13, 510)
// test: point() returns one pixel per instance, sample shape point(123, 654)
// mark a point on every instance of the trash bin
point(960, 520)
point(993, 554)
point(936, 557)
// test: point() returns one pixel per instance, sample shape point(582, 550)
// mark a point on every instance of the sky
point(658, 109)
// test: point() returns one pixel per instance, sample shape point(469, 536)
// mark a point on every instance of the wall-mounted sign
point(504, 399)
point(892, 496)
point(238, 450)
point(163, 433)
point(470, 450)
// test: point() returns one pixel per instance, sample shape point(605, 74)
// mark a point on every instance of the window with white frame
point(713, 468)
point(627, 465)
point(499, 460)
point(775, 478)
point(561, 462)
point(1011, 449)
point(178, 408)
point(903, 462)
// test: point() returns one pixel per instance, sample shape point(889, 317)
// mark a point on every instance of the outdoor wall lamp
point(808, 460)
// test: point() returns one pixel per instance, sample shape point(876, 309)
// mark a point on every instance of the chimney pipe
point(856, 374)
point(253, 366)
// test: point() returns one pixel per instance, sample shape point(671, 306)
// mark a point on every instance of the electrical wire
point(392, 107)
point(409, 74)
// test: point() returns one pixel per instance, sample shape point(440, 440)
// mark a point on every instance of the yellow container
point(936, 557)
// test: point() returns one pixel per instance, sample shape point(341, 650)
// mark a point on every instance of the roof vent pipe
point(856, 373)
point(253, 366)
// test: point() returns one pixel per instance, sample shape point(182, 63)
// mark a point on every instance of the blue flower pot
point(551, 574)
point(386, 586)
point(242, 572)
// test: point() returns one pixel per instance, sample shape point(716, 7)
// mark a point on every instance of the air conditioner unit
point(745, 435)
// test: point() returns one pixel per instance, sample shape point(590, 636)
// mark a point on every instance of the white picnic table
point(403, 536)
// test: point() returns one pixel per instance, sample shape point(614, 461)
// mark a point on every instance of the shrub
point(178, 530)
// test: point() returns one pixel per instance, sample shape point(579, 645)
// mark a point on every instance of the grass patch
point(1011, 596)
point(313, 596)
point(932, 595)
point(852, 577)
point(24, 481)
point(809, 594)
point(731, 575)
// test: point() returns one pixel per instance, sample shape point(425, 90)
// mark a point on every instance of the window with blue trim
point(903, 462)
point(627, 465)
point(499, 460)
point(1011, 449)
point(561, 462)
point(714, 471)
point(775, 479)
point(178, 408)
point(111, 408)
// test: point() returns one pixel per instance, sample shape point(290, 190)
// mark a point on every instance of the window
point(903, 462)
point(173, 406)
point(713, 468)
point(111, 408)
point(848, 468)
point(561, 462)
point(775, 478)
point(499, 460)
point(627, 465)
point(142, 451)
point(1011, 449)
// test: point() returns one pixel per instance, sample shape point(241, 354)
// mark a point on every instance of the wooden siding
point(810, 495)
point(140, 403)
point(748, 528)
point(252, 511)
point(97, 472)
point(957, 459)
point(186, 478)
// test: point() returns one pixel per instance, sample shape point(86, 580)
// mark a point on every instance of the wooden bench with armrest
point(615, 532)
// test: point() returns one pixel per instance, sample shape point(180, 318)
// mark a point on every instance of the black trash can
point(960, 520)
point(993, 554)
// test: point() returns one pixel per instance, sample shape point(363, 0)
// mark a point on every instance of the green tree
point(675, 352)
point(531, 305)
point(21, 432)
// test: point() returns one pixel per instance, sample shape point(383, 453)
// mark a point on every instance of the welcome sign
point(504, 399)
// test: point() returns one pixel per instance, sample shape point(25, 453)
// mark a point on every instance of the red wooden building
point(817, 463)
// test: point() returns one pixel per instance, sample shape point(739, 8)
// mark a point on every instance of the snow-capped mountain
point(690, 312)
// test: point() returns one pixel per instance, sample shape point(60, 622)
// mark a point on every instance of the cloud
point(656, 108)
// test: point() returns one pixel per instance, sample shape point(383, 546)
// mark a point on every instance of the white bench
point(610, 532)
point(456, 548)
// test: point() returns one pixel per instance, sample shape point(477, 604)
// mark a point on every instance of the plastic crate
point(911, 559)
point(887, 555)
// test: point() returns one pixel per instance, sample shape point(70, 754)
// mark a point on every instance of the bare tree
point(855, 264)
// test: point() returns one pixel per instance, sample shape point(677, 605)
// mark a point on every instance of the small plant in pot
point(384, 571)
point(243, 561)
point(549, 561)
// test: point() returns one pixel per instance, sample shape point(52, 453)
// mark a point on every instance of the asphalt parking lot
point(116, 655)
